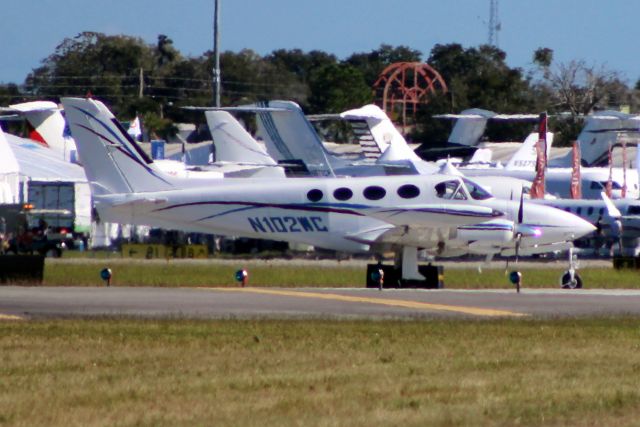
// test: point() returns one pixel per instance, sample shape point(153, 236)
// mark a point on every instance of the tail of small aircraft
point(233, 143)
point(389, 141)
point(525, 156)
point(601, 130)
point(469, 127)
point(113, 162)
point(47, 123)
point(288, 136)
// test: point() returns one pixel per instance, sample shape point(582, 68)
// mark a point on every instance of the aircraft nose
point(581, 227)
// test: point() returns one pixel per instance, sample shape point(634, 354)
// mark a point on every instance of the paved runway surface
point(46, 302)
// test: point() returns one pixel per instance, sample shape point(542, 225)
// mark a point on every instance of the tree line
point(154, 80)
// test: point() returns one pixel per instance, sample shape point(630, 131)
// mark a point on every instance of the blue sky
point(599, 32)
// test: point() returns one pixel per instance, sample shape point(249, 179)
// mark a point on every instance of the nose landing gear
point(570, 278)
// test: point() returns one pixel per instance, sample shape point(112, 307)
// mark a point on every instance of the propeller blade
point(521, 207)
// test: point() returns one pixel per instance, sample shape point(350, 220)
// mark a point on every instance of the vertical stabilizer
point(470, 127)
point(49, 125)
point(600, 130)
point(288, 135)
point(113, 162)
point(387, 138)
point(233, 143)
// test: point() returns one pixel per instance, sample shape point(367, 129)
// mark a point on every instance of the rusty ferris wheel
point(404, 85)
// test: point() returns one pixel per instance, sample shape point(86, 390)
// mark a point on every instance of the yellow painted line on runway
point(476, 311)
point(10, 317)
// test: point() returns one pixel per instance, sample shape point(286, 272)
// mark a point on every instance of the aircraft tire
point(565, 281)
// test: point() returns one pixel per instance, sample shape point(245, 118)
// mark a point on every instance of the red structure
point(404, 85)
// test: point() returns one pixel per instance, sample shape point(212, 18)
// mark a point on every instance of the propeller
point(518, 235)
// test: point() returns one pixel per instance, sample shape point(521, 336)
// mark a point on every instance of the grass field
point(126, 272)
point(364, 373)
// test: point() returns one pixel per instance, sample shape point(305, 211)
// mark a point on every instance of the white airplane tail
point(602, 129)
point(280, 122)
point(390, 143)
point(113, 162)
point(48, 123)
point(469, 127)
point(233, 143)
point(525, 156)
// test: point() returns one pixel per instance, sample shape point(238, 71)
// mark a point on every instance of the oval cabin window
point(343, 193)
point(314, 195)
point(408, 191)
point(374, 192)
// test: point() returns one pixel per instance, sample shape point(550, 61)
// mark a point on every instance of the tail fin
point(469, 126)
point(113, 162)
point(233, 143)
point(389, 140)
point(600, 130)
point(48, 123)
point(288, 135)
point(525, 157)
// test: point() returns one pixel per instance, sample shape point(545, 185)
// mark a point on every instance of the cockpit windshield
point(476, 191)
point(450, 190)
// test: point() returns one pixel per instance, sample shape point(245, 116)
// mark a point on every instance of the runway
point(338, 303)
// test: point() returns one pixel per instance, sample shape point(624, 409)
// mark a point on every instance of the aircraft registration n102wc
point(447, 215)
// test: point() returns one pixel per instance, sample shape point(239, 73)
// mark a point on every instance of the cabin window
point(315, 195)
point(567, 209)
point(579, 211)
point(633, 210)
point(614, 185)
point(590, 211)
point(601, 211)
point(408, 191)
point(450, 190)
point(374, 192)
point(476, 191)
point(343, 193)
point(595, 185)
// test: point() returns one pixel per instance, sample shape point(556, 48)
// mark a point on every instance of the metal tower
point(494, 23)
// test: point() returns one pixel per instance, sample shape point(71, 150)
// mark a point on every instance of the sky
point(602, 33)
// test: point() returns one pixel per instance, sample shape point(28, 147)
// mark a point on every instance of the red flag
point(576, 184)
point(609, 186)
point(537, 188)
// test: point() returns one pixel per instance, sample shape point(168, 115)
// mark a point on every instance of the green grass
point(360, 373)
point(80, 272)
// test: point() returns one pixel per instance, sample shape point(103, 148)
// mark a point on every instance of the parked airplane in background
point(47, 126)
point(465, 136)
point(445, 215)
point(601, 130)
point(290, 137)
point(602, 213)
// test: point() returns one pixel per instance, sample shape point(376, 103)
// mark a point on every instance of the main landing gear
point(405, 272)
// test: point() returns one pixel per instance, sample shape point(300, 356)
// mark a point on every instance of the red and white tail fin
point(48, 125)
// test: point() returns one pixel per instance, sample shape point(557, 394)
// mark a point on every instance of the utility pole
point(141, 84)
point(216, 54)
point(494, 23)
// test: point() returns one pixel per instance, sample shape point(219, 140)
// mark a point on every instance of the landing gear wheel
point(567, 283)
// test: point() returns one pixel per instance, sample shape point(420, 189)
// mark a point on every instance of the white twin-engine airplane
point(447, 215)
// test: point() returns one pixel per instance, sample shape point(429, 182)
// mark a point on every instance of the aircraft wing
point(433, 215)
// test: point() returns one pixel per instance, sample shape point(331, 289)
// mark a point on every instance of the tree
point(105, 66)
point(578, 88)
point(476, 78)
point(372, 63)
point(336, 88)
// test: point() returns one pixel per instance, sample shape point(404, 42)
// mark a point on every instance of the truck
point(55, 216)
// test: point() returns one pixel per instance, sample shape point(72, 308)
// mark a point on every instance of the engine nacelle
point(494, 232)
